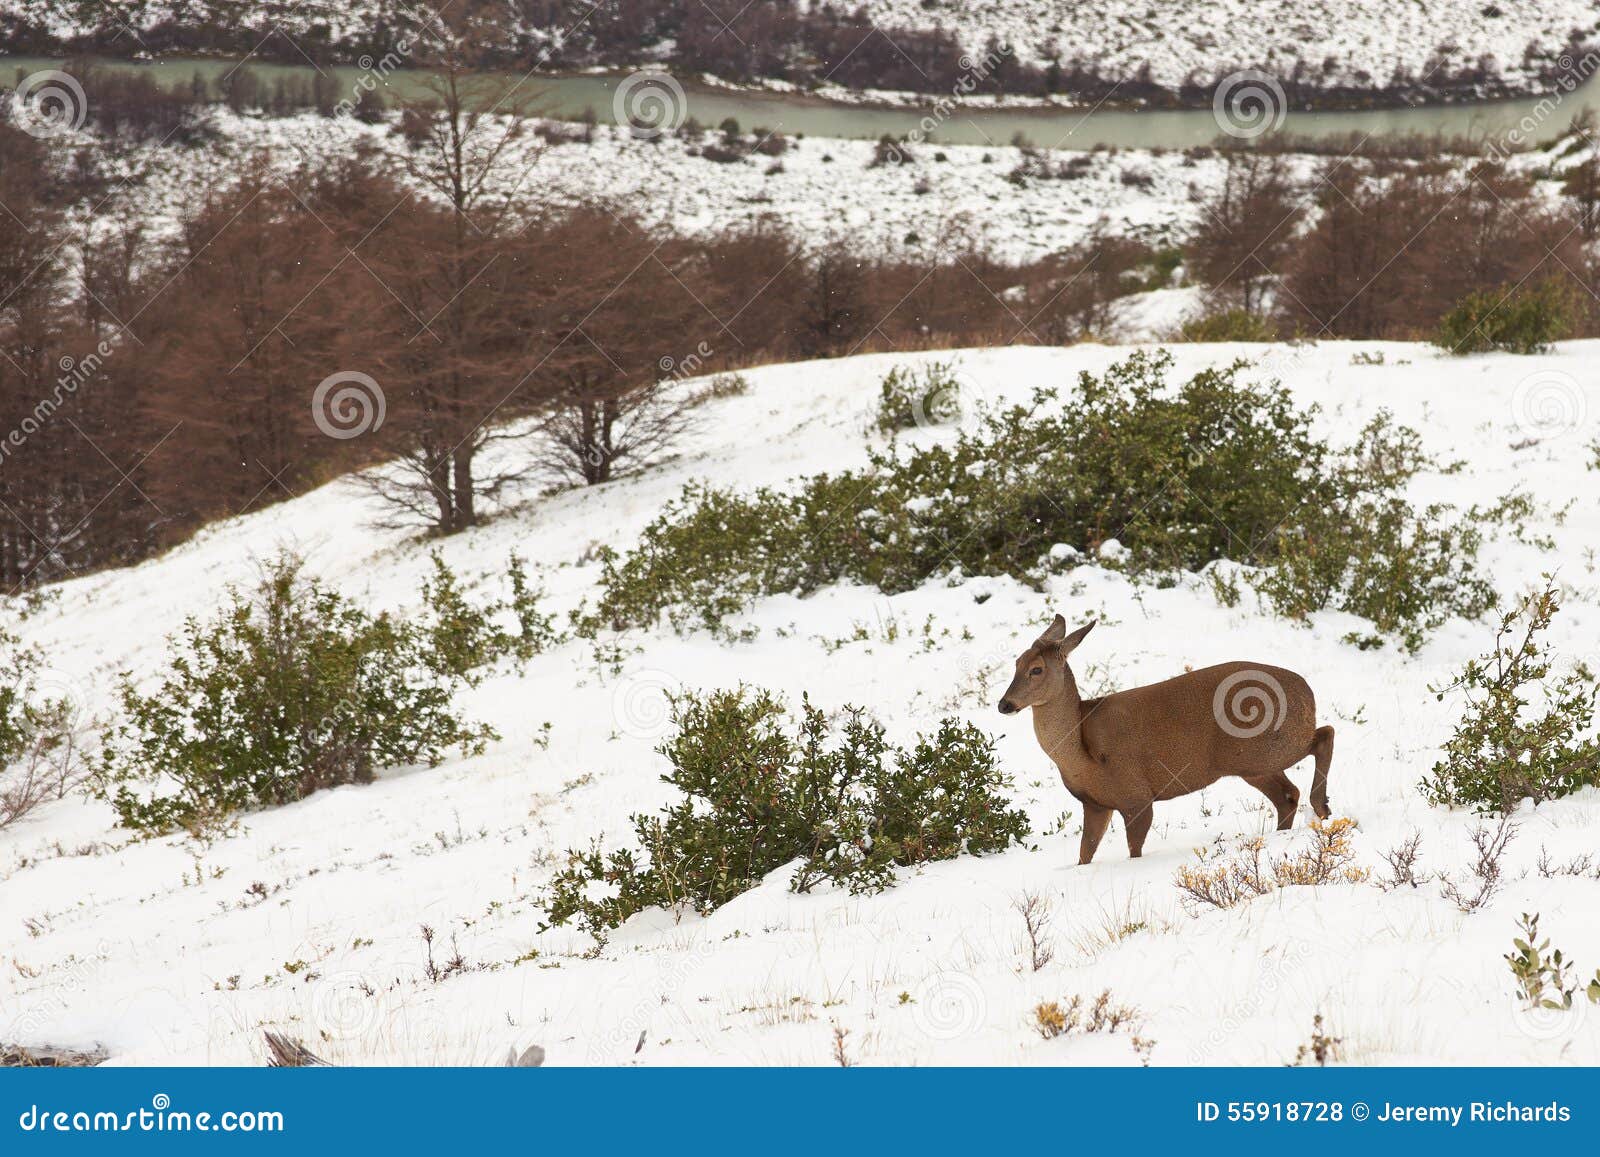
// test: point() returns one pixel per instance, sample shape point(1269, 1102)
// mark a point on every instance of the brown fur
point(1123, 752)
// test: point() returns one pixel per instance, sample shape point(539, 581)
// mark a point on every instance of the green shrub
point(1228, 325)
point(288, 691)
point(40, 756)
point(756, 798)
point(929, 396)
point(465, 636)
point(1522, 320)
point(1216, 469)
point(1506, 748)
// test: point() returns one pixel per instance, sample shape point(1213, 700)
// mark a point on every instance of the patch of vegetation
point(756, 797)
point(1320, 1049)
point(1215, 469)
point(290, 689)
point(1506, 748)
point(1521, 320)
point(925, 396)
point(1052, 1018)
point(1228, 325)
point(465, 635)
point(1226, 881)
point(40, 755)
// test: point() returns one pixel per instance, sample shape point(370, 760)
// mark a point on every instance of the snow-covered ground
point(167, 951)
point(1344, 42)
point(1353, 43)
point(820, 190)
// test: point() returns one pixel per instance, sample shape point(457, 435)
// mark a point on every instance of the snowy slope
point(1353, 43)
point(159, 951)
point(823, 190)
point(1346, 42)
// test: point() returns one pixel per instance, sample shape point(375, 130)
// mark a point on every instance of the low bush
point(1216, 469)
point(929, 396)
point(1525, 731)
point(40, 755)
point(1228, 325)
point(465, 635)
point(290, 689)
point(1226, 881)
point(1522, 320)
point(1052, 1018)
point(848, 806)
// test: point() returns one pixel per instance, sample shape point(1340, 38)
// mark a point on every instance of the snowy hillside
point(307, 918)
point(1335, 42)
point(943, 193)
point(1344, 43)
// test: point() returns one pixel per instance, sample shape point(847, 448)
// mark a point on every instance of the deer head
point(1041, 673)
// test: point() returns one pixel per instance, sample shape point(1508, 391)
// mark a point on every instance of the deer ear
point(1053, 634)
point(1071, 642)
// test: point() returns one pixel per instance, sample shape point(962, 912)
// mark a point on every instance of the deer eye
point(1036, 671)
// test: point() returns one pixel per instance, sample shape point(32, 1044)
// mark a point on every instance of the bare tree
point(441, 261)
point(1247, 229)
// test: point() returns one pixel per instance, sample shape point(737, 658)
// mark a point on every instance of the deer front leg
point(1095, 819)
point(1137, 821)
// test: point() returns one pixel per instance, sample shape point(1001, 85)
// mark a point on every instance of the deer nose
point(1007, 707)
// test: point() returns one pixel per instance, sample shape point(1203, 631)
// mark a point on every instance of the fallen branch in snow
point(284, 1052)
point(47, 1057)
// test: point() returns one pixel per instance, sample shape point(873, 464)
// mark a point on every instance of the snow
point(1346, 42)
point(158, 950)
point(826, 190)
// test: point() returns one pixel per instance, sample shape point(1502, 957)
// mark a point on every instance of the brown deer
point(1124, 751)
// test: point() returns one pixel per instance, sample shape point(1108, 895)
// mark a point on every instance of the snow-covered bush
point(911, 397)
point(289, 690)
point(1525, 733)
point(849, 808)
point(40, 757)
point(465, 635)
point(1522, 320)
point(1215, 469)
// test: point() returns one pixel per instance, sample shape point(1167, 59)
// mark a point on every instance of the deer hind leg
point(1282, 792)
point(1095, 820)
point(1322, 750)
point(1137, 822)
